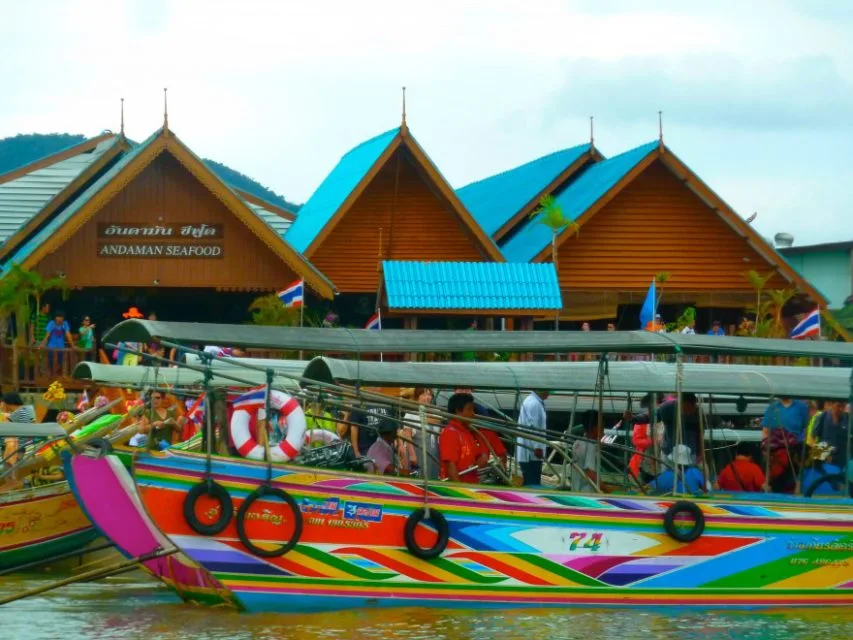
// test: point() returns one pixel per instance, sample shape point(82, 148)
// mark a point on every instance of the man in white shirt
point(530, 453)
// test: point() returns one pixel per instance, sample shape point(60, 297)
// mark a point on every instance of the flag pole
point(379, 316)
point(302, 317)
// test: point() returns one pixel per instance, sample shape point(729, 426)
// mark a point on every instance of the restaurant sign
point(166, 240)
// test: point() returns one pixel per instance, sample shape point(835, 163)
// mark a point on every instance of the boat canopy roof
point(619, 377)
point(31, 430)
point(226, 375)
point(343, 340)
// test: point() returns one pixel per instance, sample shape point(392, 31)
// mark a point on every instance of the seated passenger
point(381, 453)
point(742, 473)
point(694, 481)
point(460, 452)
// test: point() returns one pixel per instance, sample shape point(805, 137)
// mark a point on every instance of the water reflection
point(138, 608)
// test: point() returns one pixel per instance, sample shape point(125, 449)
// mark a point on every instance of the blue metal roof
point(493, 201)
point(583, 193)
point(471, 285)
point(27, 248)
point(335, 189)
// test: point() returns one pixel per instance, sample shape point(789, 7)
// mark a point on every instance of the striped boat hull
point(508, 547)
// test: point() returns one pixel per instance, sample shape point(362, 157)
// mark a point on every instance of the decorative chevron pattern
point(507, 546)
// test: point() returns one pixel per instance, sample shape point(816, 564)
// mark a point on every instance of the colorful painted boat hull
point(507, 548)
point(106, 490)
point(41, 523)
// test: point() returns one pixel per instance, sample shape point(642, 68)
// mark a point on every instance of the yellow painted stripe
point(824, 577)
point(536, 571)
point(308, 562)
point(407, 559)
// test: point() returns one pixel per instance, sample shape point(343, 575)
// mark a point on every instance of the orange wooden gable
point(662, 218)
point(406, 211)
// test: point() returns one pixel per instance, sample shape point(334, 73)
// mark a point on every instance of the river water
point(134, 606)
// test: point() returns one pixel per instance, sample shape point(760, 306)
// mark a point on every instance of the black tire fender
point(285, 497)
point(101, 446)
point(441, 527)
point(212, 489)
point(689, 508)
point(826, 477)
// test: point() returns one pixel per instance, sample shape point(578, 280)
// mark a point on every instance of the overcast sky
point(757, 96)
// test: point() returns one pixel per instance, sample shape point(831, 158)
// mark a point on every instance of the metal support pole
point(423, 421)
point(679, 437)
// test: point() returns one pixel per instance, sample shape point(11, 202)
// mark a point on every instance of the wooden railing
point(34, 367)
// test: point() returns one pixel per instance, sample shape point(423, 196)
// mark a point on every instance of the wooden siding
point(417, 225)
point(166, 192)
point(658, 224)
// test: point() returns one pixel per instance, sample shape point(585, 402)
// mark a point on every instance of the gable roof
point(601, 182)
point(497, 200)
point(342, 187)
point(86, 205)
point(590, 187)
point(338, 186)
point(24, 196)
point(494, 286)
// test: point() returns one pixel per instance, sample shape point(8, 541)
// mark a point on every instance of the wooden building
point(636, 215)
point(155, 222)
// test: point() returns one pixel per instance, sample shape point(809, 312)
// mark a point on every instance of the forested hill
point(22, 149)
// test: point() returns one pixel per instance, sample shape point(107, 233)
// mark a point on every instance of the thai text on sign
point(171, 230)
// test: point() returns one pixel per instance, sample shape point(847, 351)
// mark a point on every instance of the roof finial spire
point(591, 131)
point(660, 128)
point(165, 109)
point(122, 118)
point(404, 125)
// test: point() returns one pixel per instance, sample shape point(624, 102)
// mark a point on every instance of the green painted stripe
point(343, 565)
point(560, 570)
point(783, 568)
point(465, 573)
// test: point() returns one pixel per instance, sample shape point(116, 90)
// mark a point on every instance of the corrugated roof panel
point(334, 190)
point(493, 201)
point(279, 225)
point(24, 197)
point(471, 285)
point(23, 251)
point(584, 192)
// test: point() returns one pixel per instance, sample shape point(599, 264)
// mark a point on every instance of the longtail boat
point(284, 537)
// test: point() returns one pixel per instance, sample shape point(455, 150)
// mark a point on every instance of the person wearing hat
point(121, 354)
point(693, 480)
point(383, 460)
point(716, 329)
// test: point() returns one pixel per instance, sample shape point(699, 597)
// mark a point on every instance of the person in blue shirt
point(716, 329)
point(788, 414)
point(694, 481)
point(57, 333)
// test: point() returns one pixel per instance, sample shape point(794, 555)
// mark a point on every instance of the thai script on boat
point(815, 545)
point(265, 516)
point(593, 543)
point(337, 522)
point(187, 230)
point(329, 506)
point(160, 250)
point(362, 511)
point(822, 562)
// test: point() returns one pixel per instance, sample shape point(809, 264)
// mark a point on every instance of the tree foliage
point(24, 148)
point(21, 292)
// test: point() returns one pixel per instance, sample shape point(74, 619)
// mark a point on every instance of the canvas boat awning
point(621, 377)
point(361, 341)
point(178, 377)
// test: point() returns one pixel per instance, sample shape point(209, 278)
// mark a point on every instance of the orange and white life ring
point(321, 437)
point(288, 409)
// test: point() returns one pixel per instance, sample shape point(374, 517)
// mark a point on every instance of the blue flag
point(647, 313)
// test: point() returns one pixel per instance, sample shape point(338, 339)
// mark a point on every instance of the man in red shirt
point(742, 473)
point(458, 448)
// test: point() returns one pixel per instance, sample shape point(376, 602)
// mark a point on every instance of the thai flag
point(375, 322)
point(293, 295)
point(808, 326)
point(84, 401)
point(254, 399)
